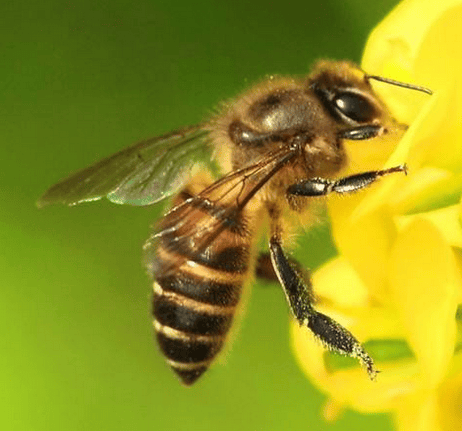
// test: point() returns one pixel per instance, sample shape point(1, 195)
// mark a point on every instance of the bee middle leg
point(301, 299)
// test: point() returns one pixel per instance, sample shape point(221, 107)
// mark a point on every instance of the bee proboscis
point(278, 147)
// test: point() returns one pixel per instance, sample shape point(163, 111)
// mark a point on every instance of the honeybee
point(274, 149)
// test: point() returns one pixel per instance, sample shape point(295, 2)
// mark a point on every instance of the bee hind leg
point(301, 299)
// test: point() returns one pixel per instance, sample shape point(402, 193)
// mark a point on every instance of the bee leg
point(321, 186)
point(300, 297)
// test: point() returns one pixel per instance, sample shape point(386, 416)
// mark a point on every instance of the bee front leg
point(321, 186)
point(301, 299)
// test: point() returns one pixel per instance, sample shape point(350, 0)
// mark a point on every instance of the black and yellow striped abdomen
point(200, 263)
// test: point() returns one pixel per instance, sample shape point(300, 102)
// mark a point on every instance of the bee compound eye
point(355, 107)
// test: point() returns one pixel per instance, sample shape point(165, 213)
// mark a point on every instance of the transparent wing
point(197, 222)
point(142, 174)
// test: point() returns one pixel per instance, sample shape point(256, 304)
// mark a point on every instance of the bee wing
point(141, 174)
point(199, 220)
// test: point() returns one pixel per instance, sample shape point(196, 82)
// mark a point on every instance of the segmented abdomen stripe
point(225, 292)
point(175, 334)
point(190, 316)
point(169, 264)
point(191, 351)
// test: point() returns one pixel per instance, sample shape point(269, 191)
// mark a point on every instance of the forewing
point(142, 174)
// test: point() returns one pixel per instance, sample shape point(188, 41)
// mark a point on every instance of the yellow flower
point(397, 283)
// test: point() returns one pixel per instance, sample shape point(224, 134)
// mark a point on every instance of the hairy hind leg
point(297, 288)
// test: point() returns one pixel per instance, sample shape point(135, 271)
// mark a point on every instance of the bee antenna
point(400, 84)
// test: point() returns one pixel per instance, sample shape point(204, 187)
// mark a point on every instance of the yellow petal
point(427, 189)
point(425, 284)
point(440, 63)
point(407, 23)
point(447, 220)
point(441, 40)
point(418, 412)
point(393, 47)
point(450, 404)
point(336, 281)
point(365, 242)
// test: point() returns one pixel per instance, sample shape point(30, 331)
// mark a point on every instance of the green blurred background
point(80, 80)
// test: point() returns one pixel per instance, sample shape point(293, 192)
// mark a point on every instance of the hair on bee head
point(399, 83)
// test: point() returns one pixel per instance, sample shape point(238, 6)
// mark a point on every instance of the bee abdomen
point(200, 260)
point(190, 332)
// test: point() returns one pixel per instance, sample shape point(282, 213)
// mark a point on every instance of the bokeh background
point(78, 81)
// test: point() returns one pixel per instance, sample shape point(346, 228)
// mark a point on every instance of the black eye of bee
point(354, 106)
